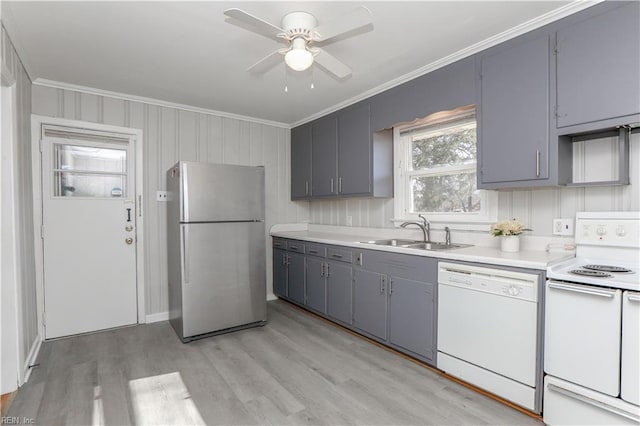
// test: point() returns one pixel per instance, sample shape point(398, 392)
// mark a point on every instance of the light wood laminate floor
point(297, 369)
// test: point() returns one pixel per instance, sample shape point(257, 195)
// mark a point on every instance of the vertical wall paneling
point(169, 135)
point(25, 251)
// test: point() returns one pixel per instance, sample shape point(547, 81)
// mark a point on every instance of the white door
point(89, 233)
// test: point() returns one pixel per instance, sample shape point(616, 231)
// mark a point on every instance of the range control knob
point(601, 230)
point(621, 231)
point(513, 290)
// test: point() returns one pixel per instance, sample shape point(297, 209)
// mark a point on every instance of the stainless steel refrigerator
point(216, 248)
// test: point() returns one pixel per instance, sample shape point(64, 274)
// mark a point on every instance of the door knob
point(129, 240)
point(128, 228)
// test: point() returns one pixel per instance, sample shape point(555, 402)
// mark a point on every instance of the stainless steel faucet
point(427, 225)
point(425, 231)
point(447, 235)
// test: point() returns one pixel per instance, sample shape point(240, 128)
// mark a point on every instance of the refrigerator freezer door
point(223, 276)
point(221, 192)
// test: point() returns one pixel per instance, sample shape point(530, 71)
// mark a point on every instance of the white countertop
point(531, 259)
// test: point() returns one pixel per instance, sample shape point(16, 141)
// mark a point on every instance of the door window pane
point(70, 184)
point(86, 158)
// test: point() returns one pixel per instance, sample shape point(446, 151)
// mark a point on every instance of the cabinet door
point(412, 316)
point(324, 149)
point(370, 302)
point(354, 151)
point(296, 277)
point(339, 291)
point(598, 64)
point(514, 128)
point(280, 272)
point(301, 162)
point(316, 285)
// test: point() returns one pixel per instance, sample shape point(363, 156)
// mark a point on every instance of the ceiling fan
point(301, 30)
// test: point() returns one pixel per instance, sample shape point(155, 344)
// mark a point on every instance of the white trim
point(271, 296)
point(31, 359)
point(157, 317)
point(37, 121)
point(151, 101)
point(540, 21)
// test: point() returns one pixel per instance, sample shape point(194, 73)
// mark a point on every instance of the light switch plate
point(563, 227)
point(162, 195)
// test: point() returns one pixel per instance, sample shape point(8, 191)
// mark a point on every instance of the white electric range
point(592, 325)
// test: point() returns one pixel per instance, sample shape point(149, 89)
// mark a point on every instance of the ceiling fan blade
point(357, 18)
point(331, 64)
point(261, 26)
point(266, 63)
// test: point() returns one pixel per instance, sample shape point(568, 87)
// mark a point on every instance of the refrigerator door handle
point(185, 194)
point(185, 254)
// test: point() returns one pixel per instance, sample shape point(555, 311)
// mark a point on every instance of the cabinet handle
point(327, 273)
point(313, 251)
point(322, 269)
point(284, 259)
point(634, 298)
point(306, 188)
point(340, 185)
point(337, 256)
point(537, 163)
point(382, 284)
point(295, 247)
point(332, 185)
point(390, 287)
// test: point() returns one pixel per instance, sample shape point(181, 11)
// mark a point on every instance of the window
point(436, 169)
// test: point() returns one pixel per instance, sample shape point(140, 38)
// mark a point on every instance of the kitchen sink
point(415, 244)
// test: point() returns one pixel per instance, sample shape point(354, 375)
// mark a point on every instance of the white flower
point(508, 227)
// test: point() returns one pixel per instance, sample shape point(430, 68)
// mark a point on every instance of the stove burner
point(591, 273)
point(606, 268)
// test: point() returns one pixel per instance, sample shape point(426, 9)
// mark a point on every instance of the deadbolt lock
point(128, 228)
point(129, 240)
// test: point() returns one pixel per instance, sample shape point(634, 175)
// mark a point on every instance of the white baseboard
point(271, 296)
point(31, 359)
point(157, 317)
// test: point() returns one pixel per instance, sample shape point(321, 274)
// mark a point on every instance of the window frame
point(402, 150)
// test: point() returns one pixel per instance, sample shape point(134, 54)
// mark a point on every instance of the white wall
point(23, 247)
point(536, 207)
point(172, 134)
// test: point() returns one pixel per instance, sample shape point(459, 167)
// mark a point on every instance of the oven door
point(582, 335)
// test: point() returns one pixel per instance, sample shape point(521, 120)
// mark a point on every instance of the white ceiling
point(188, 53)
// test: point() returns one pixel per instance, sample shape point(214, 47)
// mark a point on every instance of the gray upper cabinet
point(301, 162)
point(598, 67)
point(324, 163)
point(347, 159)
point(514, 114)
point(354, 151)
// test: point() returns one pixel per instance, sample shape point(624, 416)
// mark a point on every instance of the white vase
point(510, 243)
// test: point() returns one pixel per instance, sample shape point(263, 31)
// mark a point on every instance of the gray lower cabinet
point(388, 297)
point(370, 302)
point(339, 286)
point(514, 115)
point(279, 272)
point(316, 284)
point(296, 277)
point(597, 67)
point(411, 309)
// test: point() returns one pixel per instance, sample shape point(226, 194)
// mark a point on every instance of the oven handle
point(584, 290)
point(593, 402)
point(633, 298)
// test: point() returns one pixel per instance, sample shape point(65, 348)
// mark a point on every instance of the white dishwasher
point(488, 330)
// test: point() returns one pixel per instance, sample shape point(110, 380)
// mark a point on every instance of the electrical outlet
point(563, 227)
point(162, 195)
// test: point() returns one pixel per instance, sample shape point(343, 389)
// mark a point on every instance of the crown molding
point(540, 21)
point(158, 102)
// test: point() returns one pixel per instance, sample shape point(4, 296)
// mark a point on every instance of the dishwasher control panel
point(518, 285)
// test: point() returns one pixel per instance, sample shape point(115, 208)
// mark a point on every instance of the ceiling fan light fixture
point(299, 58)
